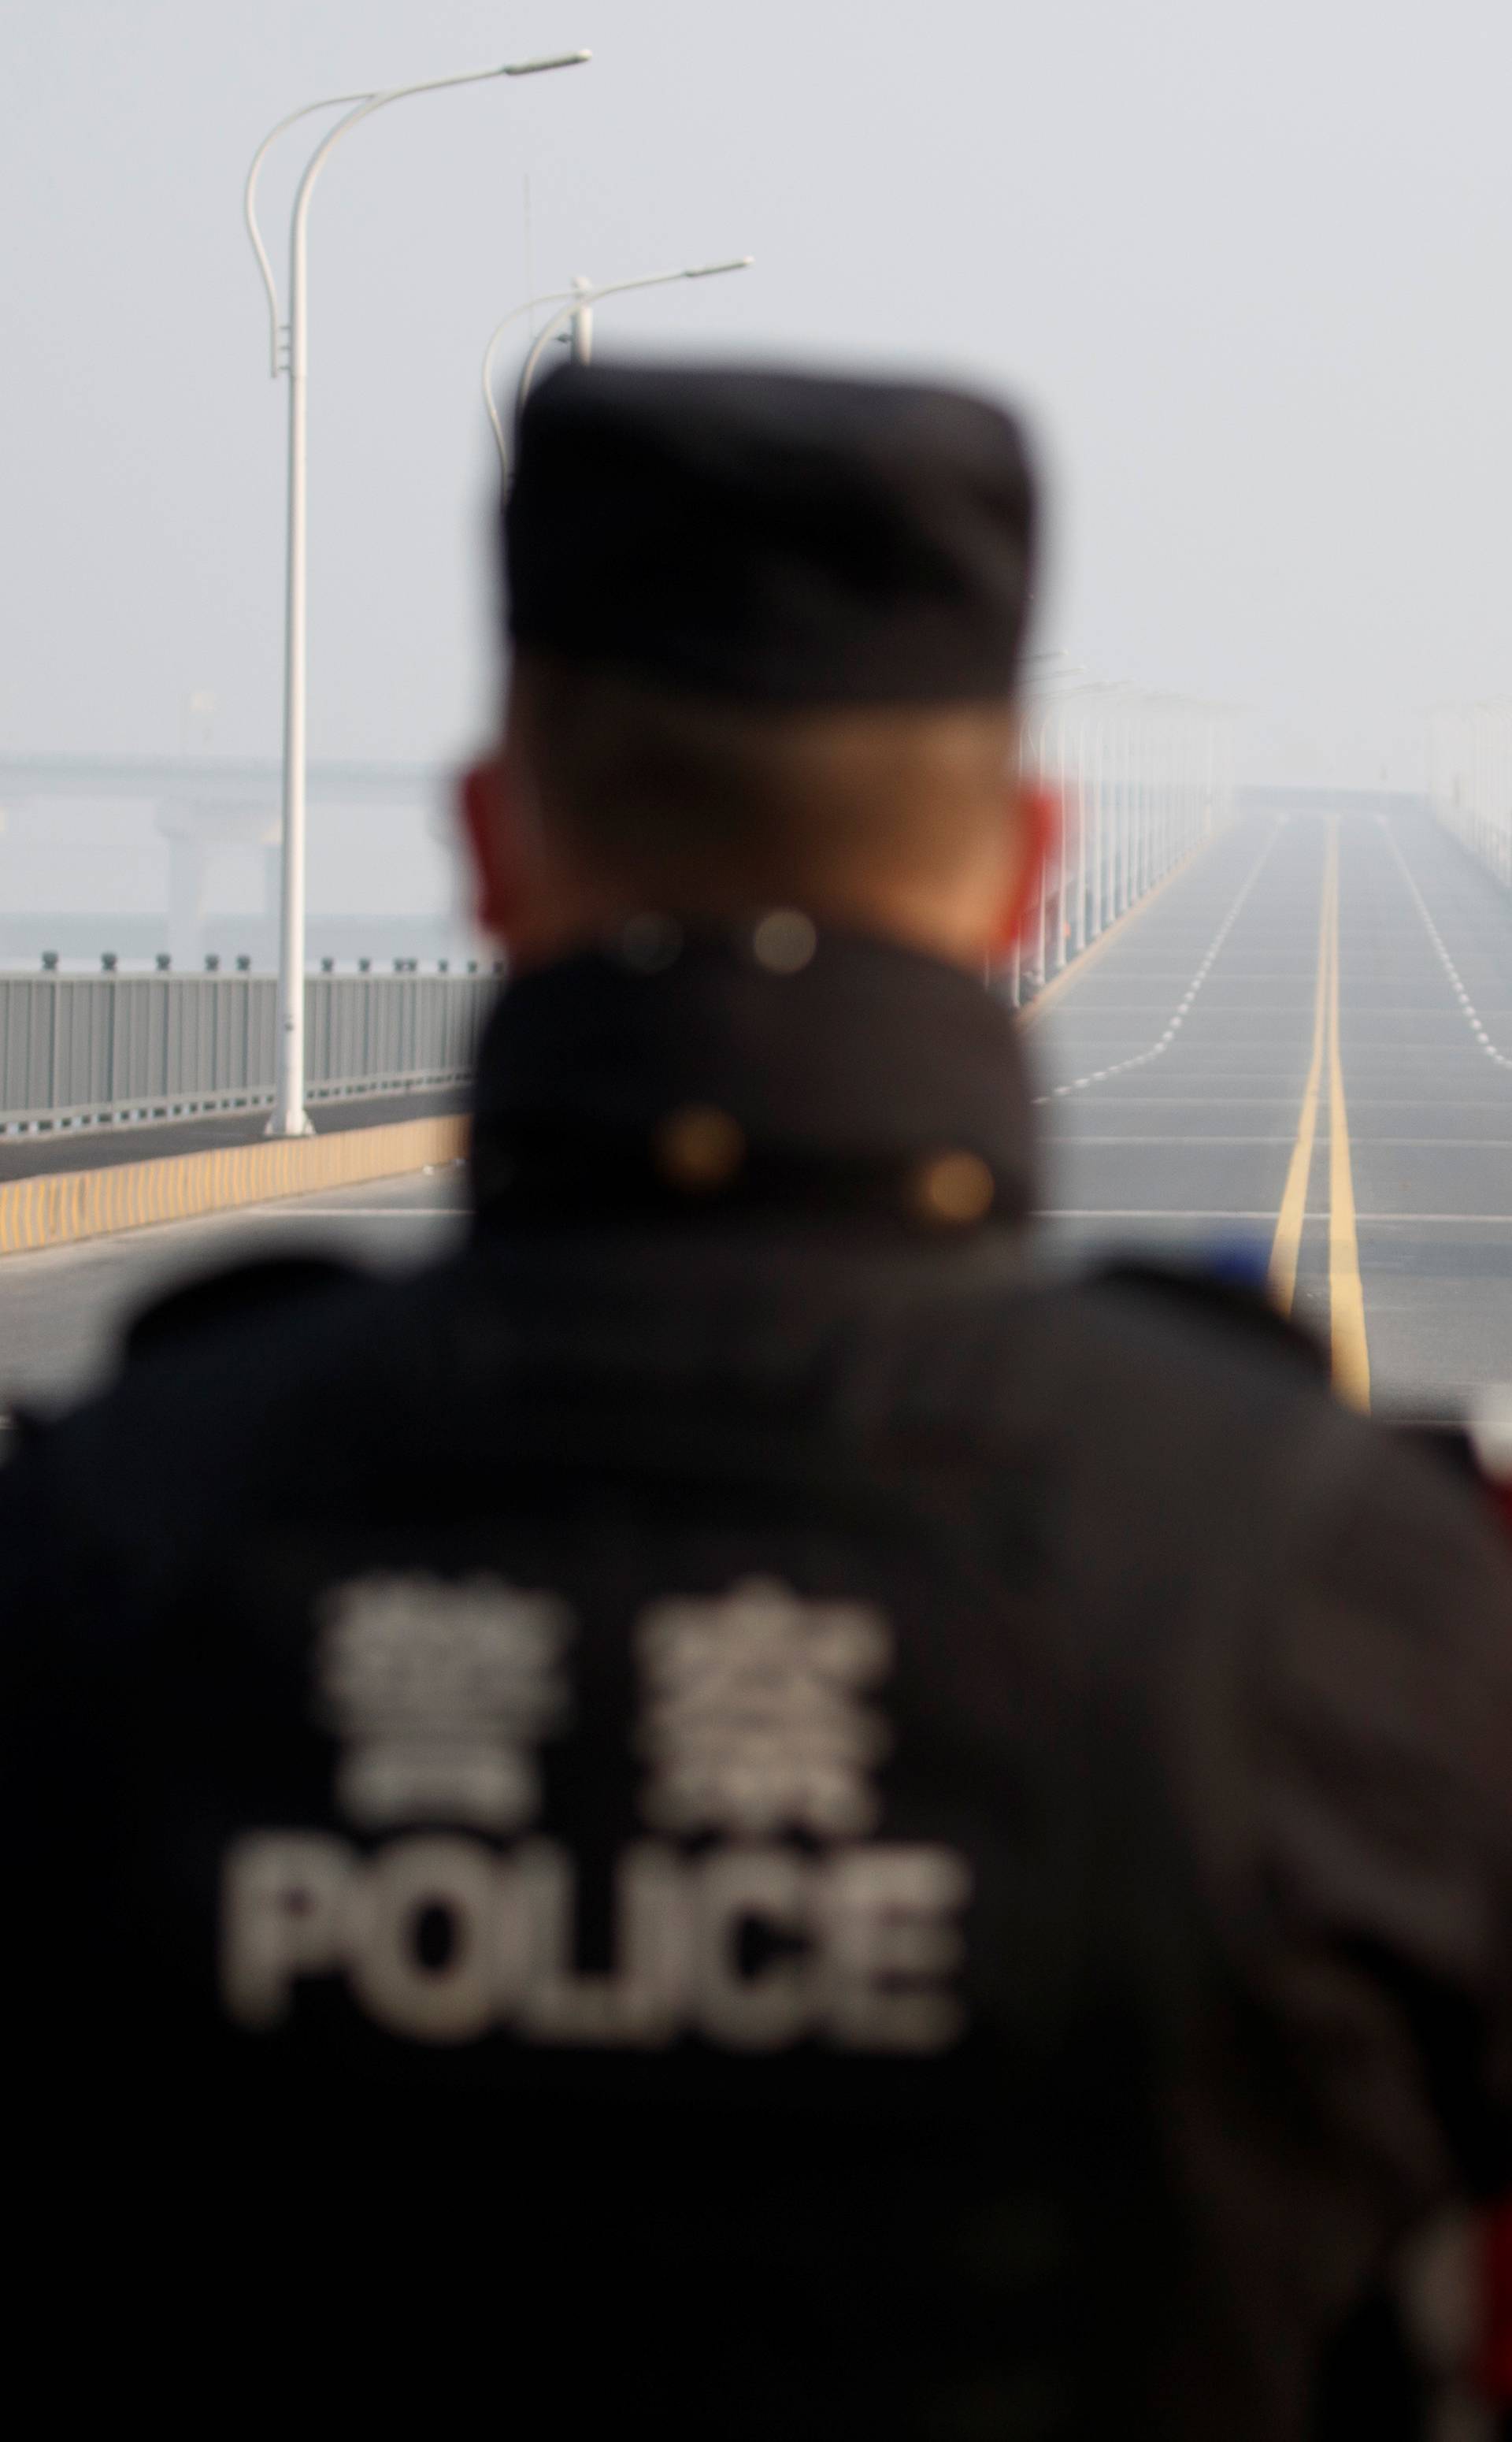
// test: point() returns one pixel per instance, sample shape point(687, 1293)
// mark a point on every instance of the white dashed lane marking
point(1142, 1059)
point(1468, 1007)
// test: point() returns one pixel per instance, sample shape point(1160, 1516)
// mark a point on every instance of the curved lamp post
point(289, 353)
point(574, 306)
point(548, 296)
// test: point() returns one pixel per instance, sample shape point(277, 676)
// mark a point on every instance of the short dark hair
point(654, 779)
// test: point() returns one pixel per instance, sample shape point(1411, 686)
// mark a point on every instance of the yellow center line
point(1346, 1297)
point(1346, 1300)
point(1287, 1244)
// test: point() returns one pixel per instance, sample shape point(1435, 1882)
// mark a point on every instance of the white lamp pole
point(290, 355)
point(548, 296)
point(582, 322)
point(575, 306)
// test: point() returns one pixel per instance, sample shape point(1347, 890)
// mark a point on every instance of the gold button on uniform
point(784, 941)
point(697, 1148)
point(952, 1188)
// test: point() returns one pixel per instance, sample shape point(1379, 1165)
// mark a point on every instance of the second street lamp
point(289, 355)
point(575, 306)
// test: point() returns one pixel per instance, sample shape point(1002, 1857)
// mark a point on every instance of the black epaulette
point(1238, 1305)
point(264, 1285)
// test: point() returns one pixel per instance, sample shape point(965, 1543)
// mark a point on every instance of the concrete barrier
point(56, 1208)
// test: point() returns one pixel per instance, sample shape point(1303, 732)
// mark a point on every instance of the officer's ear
point(1033, 815)
point(489, 815)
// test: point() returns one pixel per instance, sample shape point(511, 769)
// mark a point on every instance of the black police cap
point(774, 538)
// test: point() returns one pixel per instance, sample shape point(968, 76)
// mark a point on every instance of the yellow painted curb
point(58, 1207)
point(1051, 991)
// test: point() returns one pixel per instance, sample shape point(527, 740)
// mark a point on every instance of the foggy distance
point(1240, 266)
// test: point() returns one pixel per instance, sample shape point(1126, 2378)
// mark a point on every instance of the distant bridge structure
point(197, 808)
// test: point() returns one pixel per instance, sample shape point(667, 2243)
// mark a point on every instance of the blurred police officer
point(724, 1811)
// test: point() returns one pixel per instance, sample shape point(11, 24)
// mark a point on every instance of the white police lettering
point(754, 1721)
point(441, 1689)
point(755, 1728)
point(892, 1944)
point(639, 2001)
point(747, 1895)
point(285, 1913)
point(857, 1946)
point(445, 1887)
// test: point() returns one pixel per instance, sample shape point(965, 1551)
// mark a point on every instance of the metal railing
point(93, 1051)
point(1470, 749)
point(1141, 780)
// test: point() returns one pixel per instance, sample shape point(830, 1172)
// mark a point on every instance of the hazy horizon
point(1235, 267)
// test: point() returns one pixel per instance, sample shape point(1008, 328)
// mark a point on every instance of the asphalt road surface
point(1299, 1055)
point(1296, 1056)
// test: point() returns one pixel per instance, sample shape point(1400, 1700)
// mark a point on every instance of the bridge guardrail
point(1141, 780)
point(93, 1051)
point(1469, 750)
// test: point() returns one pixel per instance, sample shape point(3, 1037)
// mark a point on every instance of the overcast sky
point(1244, 262)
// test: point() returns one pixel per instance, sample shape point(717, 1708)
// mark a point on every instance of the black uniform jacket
point(728, 1812)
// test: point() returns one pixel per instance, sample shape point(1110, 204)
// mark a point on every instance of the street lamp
point(289, 355)
point(575, 305)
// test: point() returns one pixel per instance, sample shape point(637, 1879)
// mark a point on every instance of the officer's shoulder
point(1225, 1311)
point(1172, 1357)
point(1139, 1361)
point(1162, 1321)
point(269, 1289)
point(1129, 1375)
point(199, 1368)
point(1186, 1401)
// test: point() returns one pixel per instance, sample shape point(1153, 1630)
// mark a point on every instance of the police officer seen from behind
point(726, 1814)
